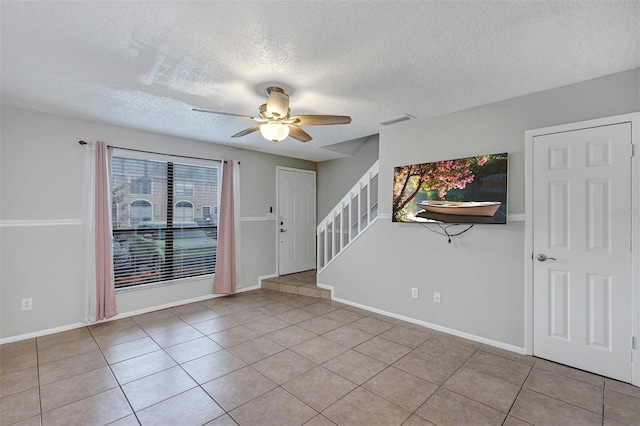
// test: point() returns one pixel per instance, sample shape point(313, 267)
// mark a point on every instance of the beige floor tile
point(572, 373)
point(18, 381)
point(63, 337)
point(157, 387)
point(319, 308)
point(319, 388)
point(64, 350)
point(103, 408)
point(224, 420)
point(17, 356)
point(247, 316)
point(276, 308)
point(283, 366)
point(483, 388)
point(71, 366)
point(621, 387)
point(417, 421)
point(319, 325)
point(621, 407)
point(343, 316)
point(256, 349)
point(238, 387)
point(267, 325)
point(371, 325)
point(275, 408)
point(512, 421)
point(192, 349)
point(176, 336)
point(432, 368)
point(401, 388)
point(446, 408)
point(141, 366)
point(406, 336)
point(575, 392)
point(441, 346)
point(383, 350)
point(386, 318)
point(19, 406)
point(501, 368)
point(215, 325)
point(112, 334)
point(75, 388)
point(130, 420)
point(212, 366)
point(535, 408)
point(295, 316)
point(319, 350)
point(348, 336)
point(31, 421)
point(131, 349)
point(291, 336)
point(233, 336)
point(362, 407)
point(523, 359)
point(193, 407)
point(355, 366)
point(319, 420)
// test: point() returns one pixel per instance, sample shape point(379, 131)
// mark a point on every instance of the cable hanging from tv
point(445, 230)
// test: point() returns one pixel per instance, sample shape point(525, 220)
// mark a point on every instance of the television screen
point(464, 190)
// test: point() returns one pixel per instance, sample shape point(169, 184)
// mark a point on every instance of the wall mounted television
point(462, 190)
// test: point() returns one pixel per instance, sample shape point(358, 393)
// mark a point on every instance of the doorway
point(296, 220)
point(583, 295)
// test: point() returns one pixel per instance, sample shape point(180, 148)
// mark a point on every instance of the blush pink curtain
point(105, 295)
point(225, 278)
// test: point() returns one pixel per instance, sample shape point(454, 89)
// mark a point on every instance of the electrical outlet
point(27, 304)
point(414, 293)
point(436, 297)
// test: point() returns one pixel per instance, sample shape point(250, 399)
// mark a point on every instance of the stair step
point(303, 283)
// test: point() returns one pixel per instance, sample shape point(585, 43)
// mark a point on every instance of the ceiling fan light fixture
point(274, 131)
point(277, 102)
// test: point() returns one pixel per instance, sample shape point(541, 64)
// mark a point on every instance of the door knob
point(542, 257)
point(283, 230)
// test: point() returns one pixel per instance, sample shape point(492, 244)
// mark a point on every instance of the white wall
point(480, 275)
point(336, 177)
point(41, 173)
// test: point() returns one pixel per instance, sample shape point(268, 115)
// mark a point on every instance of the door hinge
point(633, 342)
point(632, 150)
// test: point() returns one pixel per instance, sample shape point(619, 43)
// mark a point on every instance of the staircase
point(349, 218)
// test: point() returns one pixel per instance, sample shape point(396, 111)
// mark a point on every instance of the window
point(141, 185)
point(184, 189)
point(156, 235)
point(140, 210)
point(183, 211)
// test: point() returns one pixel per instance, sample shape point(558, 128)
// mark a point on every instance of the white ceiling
point(144, 65)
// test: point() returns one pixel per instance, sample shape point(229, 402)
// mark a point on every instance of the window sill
point(163, 283)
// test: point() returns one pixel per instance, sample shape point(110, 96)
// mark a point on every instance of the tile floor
point(274, 358)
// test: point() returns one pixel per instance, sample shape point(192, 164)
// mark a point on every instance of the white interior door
point(296, 220)
point(582, 292)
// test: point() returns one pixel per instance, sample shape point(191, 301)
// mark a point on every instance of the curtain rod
point(160, 153)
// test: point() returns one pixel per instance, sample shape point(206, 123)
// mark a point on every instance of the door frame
point(315, 212)
point(634, 119)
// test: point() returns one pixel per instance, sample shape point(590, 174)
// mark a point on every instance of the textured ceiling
point(144, 64)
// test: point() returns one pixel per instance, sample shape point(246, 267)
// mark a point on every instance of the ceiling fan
point(276, 122)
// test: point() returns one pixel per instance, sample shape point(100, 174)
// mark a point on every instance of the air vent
point(396, 120)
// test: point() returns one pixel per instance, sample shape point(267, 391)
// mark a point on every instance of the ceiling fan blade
point(224, 113)
point(299, 134)
point(247, 131)
point(320, 120)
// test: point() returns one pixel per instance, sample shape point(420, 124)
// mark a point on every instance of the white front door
point(296, 220)
point(582, 292)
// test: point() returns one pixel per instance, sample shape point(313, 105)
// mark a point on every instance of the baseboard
point(41, 333)
point(68, 327)
point(436, 327)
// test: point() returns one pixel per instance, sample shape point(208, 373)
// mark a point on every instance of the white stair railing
point(349, 218)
